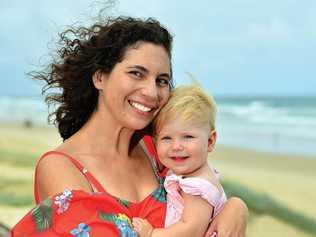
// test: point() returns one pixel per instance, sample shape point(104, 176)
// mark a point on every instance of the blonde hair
point(190, 103)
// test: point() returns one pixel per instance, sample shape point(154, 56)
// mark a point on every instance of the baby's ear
point(211, 140)
point(97, 79)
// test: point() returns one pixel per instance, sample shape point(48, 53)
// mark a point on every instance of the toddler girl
point(185, 134)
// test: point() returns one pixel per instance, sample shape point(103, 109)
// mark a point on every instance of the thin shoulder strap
point(148, 140)
point(94, 183)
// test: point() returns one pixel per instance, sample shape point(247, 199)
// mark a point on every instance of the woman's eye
point(162, 82)
point(136, 74)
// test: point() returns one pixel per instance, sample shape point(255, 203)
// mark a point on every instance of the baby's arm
point(193, 223)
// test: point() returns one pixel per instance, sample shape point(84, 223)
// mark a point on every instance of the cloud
point(235, 41)
point(275, 30)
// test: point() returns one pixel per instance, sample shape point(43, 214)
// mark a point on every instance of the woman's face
point(137, 87)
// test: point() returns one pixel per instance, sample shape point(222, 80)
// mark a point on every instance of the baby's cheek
point(160, 148)
point(162, 152)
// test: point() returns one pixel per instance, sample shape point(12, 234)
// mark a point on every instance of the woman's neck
point(102, 135)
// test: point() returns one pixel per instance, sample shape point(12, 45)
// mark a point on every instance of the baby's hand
point(142, 227)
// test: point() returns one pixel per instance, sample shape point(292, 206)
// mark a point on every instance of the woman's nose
point(150, 89)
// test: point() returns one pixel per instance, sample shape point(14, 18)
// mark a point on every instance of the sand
point(288, 179)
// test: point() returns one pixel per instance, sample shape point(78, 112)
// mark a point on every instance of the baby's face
point(183, 146)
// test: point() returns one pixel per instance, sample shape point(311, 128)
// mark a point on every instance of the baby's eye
point(188, 136)
point(165, 138)
point(162, 82)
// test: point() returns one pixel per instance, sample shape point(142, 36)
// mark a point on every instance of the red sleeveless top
point(81, 214)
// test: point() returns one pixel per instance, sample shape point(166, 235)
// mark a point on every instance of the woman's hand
point(231, 221)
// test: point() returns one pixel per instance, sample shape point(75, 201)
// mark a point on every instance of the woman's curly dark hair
point(83, 52)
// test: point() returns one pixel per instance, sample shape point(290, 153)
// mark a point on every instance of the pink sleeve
point(201, 187)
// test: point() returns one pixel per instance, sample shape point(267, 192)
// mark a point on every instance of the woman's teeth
point(140, 107)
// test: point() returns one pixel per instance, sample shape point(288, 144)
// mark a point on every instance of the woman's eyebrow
point(143, 69)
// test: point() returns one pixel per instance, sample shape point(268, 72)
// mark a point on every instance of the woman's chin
point(138, 125)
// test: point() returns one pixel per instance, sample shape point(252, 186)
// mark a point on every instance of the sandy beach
point(290, 180)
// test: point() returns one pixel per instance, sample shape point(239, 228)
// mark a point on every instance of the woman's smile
point(142, 107)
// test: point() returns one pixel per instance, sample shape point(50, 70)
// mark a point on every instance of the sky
point(232, 47)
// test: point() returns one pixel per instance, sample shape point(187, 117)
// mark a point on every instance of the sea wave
point(259, 112)
point(274, 125)
point(250, 123)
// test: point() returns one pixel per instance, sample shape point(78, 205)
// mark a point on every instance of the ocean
point(279, 125)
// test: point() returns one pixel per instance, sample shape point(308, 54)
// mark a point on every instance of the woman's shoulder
point(59, 158)
point(55, 172)
point(54, 161)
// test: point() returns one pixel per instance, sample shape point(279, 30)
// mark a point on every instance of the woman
point(112, 80)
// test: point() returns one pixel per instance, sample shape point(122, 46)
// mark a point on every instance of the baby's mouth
point(179, 158)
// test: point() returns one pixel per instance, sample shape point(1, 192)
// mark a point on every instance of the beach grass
point(20, 147)
point(278, 189)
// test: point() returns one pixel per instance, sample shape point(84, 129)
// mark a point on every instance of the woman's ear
point(211, 140)
point(98, 78)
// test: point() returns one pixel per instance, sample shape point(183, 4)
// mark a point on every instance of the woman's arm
point(231, 221)
point(193, 223)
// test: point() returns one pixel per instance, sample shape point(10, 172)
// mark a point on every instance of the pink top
point(194, 186)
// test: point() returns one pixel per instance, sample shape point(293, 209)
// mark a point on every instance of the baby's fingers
point(142, 227)
point(137, 221)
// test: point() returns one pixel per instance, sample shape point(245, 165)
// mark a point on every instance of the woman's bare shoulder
point(55, 172)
